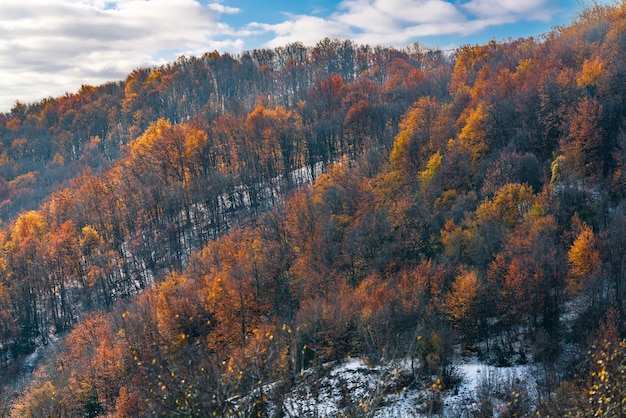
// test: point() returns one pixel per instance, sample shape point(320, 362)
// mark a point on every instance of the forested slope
point(145, 171)
point(470, 201)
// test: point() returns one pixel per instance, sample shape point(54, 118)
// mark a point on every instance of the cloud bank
point(401, 22)
point(50, 47)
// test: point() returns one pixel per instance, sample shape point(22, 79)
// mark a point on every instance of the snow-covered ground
point(353, 388)
point(482, 383)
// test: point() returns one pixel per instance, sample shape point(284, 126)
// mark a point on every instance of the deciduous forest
point(203, 237)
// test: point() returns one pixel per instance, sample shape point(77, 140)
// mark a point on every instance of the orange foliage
point(584, 260)
point(460, 302)
point(417, 136)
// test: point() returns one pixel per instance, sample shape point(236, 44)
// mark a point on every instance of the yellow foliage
point(591, 72)
point(399, 156)
point(91, 239)
point(41, 402)
point(458, 241)
point(511, 204)
point(461, 299)
point(166, 310)
point(607, 390)
point(154, 77)
point(483, 79)
point(24, 181)
point(427, 175)
point(583, 257)
point(28, 224)
point(523, 67)
point(469, 58)
point(414, 140)
point(58, 160)
point(195, 141)
point(144, 144)
point(557, 169)
point(473, 136)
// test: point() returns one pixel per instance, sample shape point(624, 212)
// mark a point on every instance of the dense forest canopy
point(195, 238)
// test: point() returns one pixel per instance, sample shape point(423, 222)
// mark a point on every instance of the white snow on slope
point(354, 388)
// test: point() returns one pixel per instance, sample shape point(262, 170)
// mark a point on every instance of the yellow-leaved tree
point(584, 261)
point(461, 302)
point(473, 137)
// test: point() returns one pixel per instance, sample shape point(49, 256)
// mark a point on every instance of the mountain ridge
point(471, 202)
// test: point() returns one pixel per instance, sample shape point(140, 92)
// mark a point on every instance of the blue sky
point(468, 21)
point(50, 47)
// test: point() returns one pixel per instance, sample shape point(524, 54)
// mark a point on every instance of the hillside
point(214, 237)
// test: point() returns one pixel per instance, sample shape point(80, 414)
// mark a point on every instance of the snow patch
point(354, 388)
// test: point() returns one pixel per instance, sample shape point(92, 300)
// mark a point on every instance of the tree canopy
point(202, 230)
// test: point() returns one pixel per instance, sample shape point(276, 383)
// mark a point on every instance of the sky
point(52, 47)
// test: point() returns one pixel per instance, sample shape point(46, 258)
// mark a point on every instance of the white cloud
point(48, 48)
point(399, 12)
point(400, 22)
point(223, 9)
point(302, 28)
point(512, 9)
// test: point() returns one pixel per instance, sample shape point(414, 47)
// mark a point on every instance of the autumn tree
point(417, 137)
point(403, 81)
point(369, 122)
point(461, 302)
point(44, 401)
point(276, 136)
point(531, 266)
point(25, 266)
point(181, 311)
point(583, 257)
point(586, 153)
point(92, 367)
point(474, 135)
